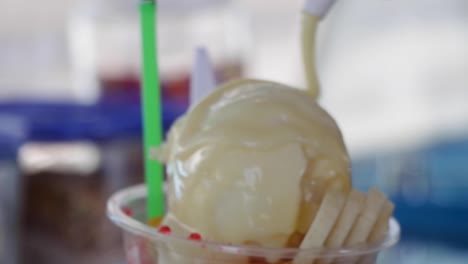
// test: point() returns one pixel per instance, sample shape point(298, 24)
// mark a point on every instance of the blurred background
point(394, 73)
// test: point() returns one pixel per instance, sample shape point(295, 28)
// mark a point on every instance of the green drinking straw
point(151, 101)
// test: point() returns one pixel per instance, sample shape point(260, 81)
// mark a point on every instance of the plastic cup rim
point(128, 224)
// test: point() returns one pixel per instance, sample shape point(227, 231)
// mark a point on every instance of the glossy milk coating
point(251, 162)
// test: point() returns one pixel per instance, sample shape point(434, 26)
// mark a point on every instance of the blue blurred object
point(68, 122)
point(13, 132)
point(429, 187)
point(449, 172)
point(432, 222)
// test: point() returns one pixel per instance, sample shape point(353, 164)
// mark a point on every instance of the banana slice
point(365, 223)
point(379, 231)
point(348, 221)
point(323, 223)
point(373, 206)
point(345, 221)
point(381, 227)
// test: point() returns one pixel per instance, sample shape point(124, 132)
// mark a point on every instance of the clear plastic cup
point(145, 245)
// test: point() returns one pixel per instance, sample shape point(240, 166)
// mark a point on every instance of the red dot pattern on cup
point(165, 230)
point(127, 211)
point(195, 237)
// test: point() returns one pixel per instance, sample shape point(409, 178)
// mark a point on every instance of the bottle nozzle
point(203, 80)
point(318, 7)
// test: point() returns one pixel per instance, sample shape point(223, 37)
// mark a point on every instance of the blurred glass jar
point(70, 166)
point(104, 39)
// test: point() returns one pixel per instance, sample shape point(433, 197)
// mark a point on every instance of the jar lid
point(52, 122)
